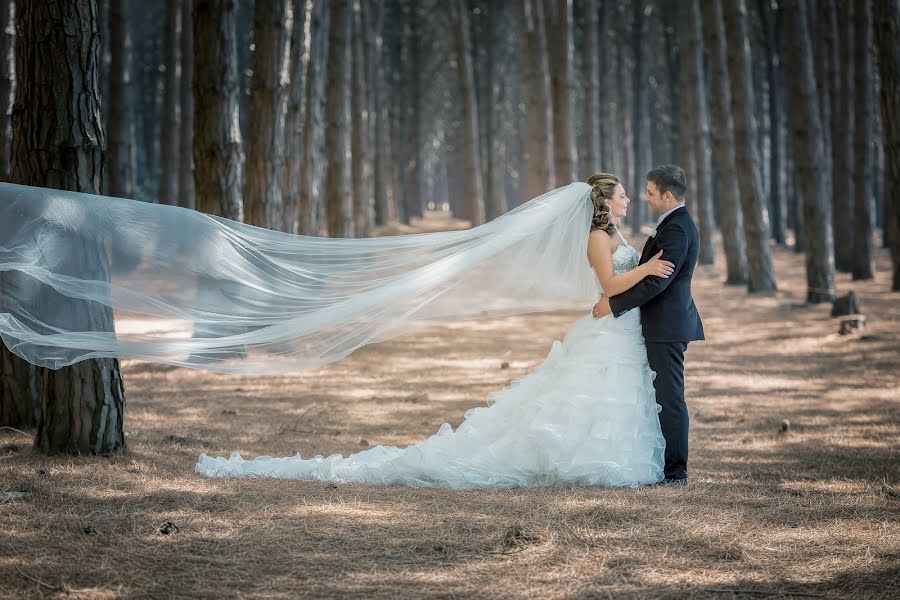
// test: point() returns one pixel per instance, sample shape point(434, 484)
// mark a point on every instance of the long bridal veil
point(85, 276)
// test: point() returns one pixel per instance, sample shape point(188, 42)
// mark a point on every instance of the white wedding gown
point(586, 416)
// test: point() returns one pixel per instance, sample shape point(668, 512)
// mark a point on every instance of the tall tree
point(169, 154)
point(539, 174)
point(887, 32)
point(809, 155)
point(263, 198)
point(380, 179)
point(863, 148)
point(363, 209)
point(771, 23)
point(186, 108)
point(218, 156)
point(311, 208)
point(7, 80)
point(591, 79)
point(727, 192)
point(466, 81)
point(761, 272)
point(844, 173)
point(82, 406)
point(560, 48)
point(642, 155)
point(697, 123)
point(338, 200)
point(121, 158)
point(293, 120)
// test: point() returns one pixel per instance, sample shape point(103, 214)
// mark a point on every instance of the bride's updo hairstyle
point(603, 184)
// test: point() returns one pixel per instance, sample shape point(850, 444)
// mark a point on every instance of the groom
point(669, 318)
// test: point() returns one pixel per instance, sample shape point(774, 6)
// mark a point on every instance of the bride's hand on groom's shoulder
point(657, 267)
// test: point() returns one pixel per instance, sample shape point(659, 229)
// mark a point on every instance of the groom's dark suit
point(669, 320)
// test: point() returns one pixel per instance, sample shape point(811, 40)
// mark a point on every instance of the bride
point(586, 416)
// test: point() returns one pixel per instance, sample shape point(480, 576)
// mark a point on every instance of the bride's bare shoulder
point(602, 240)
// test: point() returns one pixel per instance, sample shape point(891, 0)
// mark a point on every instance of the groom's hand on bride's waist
point(601, 309)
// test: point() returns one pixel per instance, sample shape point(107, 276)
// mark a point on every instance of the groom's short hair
point(669, 178)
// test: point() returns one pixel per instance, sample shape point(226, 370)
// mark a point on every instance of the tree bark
point(559, 37)
point(591, 79)
point(310, 202)
point(887, 32)
point(293, 121)
point(121, 157)
point(727, 194)
point(809, 155)
point(263, 198)
point(81, 407)
point(642, 156)
point(863, 149)
point(186, 105)
point(169, 154)
point(218, 156)
point(761, 273)
point(363, 208)
point(698, 125)
point(539, 174)
point(338, 200)
point(466, 82)
point(7, 81)
point(380, 178)
point(771, 23)
point(843, 136)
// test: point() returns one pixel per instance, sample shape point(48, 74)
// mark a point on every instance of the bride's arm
point(600, 251)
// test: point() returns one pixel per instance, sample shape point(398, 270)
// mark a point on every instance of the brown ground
point(804, 513)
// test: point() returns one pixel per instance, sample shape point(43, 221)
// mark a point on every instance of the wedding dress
point(586, 416)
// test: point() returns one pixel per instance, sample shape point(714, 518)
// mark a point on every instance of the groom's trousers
point(667, 359)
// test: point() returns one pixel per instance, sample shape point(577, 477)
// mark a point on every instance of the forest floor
point(810, 512)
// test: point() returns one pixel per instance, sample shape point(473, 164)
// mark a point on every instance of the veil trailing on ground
point(85, 276)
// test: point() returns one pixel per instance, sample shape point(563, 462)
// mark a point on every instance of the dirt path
point(801, 513)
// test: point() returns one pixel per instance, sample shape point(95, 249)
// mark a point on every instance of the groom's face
point(657, 201)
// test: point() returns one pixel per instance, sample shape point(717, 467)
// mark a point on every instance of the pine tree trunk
point(559, 37)
point(775, 96)
point(263, 198)
point(121, 156)
point(887, 32)
point(217, 139)
point(863, 150)
point(293, 120)
point(844, 175)
point(809, 155)
point(380, 179)
point(727, 193)
point(466, 81)
point(761, 273)
point(359, 127)
point(169, 157)
point(81, 407)
point(415, 158)
point(338, 200)
point(186, 105)
point(698, 126)
point(590, 77)
point(7, 81)
point(642, 156)
point(310, 202)
point(539, 174)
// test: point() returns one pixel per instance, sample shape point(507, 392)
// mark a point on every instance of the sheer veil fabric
point(84, 276)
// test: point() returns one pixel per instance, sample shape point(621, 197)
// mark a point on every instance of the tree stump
point(845, 305)
point(852, 325)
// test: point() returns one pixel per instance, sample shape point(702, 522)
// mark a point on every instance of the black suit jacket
point(668, 313)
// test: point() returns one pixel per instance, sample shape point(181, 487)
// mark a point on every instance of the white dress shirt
point(667, 213)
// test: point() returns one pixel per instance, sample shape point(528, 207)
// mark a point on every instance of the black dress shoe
point(680, 481)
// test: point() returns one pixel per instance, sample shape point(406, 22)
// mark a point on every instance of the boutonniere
point(651, 233)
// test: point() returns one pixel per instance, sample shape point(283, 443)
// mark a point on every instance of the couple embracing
point(605, 408)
